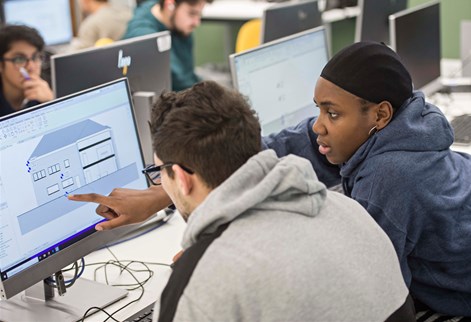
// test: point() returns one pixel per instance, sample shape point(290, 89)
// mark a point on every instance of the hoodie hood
point(264, 183)
point(417, 126)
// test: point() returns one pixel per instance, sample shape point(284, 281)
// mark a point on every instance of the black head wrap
point(371, 71)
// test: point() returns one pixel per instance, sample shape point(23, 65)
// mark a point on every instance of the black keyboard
point(144, 315)
point(462, 127)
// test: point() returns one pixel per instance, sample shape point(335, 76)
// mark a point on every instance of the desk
point(159, 245)
point(243, 10)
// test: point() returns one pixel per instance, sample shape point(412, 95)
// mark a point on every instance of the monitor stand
point(84, 294)
point(143, 104)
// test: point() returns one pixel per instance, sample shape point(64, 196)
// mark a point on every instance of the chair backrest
point(103, 42)
point(249, 35)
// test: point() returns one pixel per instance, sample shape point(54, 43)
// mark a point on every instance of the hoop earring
point(372, 131)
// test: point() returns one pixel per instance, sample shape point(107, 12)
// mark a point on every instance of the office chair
point(249, 35)
point(103, 42)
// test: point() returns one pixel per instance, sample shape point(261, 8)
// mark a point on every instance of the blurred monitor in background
point(372, 24)
point(415, 36)
point(278, 77)
point(52, 18)
point(285, 19)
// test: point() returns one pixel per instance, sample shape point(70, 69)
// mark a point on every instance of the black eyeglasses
point(153, 172)
point(21, 61)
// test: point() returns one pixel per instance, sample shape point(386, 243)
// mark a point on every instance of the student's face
point(187, 17)
point(10, 72)
point(171, 188)
point(342, 126)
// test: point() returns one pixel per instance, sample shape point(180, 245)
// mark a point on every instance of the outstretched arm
point(126, 206)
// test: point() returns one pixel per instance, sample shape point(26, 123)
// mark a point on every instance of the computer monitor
point(465, 47)
point(415, 36)
point(285, 19)
point(83, 143)
point(144, 60)
point(279, 77)
point(372, 24)
point(52, 18)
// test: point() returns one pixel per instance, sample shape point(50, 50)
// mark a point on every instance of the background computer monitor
point(83, 143)
point(372, 24)
point(415, 36)
point(144, 60)
point(279, 77)
point(465, 47)
point(288, 18)
point(52, 18)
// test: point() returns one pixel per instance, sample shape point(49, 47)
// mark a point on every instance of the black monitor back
point(415, 36)
point(145, 61)
point(372, 24)
point(289, 18)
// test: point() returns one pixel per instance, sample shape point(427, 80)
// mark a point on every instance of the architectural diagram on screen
point(71, 157)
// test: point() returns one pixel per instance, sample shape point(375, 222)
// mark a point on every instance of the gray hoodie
point(294, 251)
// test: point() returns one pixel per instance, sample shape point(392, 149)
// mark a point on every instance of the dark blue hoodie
point(417, 190)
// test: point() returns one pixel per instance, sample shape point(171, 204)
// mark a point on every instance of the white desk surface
point(159, 245)
point(241, 10)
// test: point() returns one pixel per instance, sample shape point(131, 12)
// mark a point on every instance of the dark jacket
point(419, 192)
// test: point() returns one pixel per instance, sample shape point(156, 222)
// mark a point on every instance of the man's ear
point(183, 179)
point(384, 114)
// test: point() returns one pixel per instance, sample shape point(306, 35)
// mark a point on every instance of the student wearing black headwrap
point(391, 151)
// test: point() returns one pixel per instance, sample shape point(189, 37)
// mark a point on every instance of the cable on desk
point(124, 266)
point(68, 283)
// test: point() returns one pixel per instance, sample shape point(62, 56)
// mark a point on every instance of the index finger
point(90, 197)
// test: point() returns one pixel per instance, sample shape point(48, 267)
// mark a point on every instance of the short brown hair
point(208, 128)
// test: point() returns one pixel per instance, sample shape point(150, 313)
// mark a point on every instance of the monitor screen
point(145, 61)
point(372, 24)
point(415, 36)
point(289, 18)
point(52, 18)
point(279, 77)
point(83, 143)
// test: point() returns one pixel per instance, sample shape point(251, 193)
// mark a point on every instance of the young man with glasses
point(265, 240)
point(21, 85)
point(181, 17)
